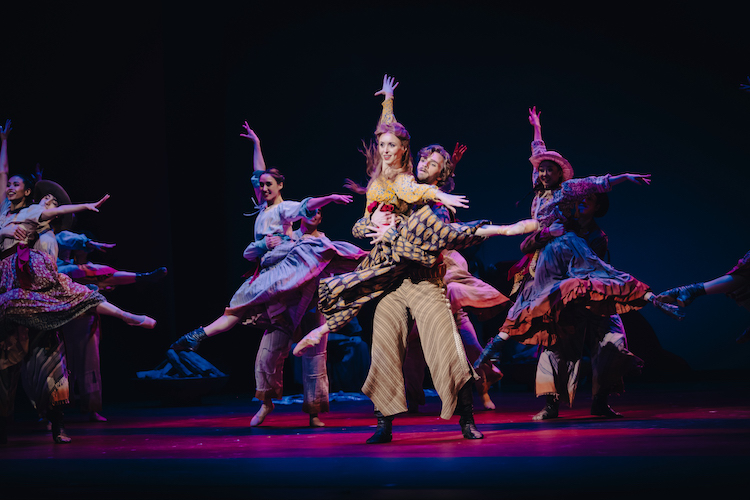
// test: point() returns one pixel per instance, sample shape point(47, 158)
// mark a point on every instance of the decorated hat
point(567, 169)
point(45, 187)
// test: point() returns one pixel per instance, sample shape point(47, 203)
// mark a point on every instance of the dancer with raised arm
point(405, 270)
point(464, 291)
point(35, 300)
point(278, 295)
point(566, 269)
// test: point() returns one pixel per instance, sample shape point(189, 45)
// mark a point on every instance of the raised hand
point(4, 131)
point(458, 153)
point(745, 86)
point(250, 133)
point(389, 85)
point(535, 118)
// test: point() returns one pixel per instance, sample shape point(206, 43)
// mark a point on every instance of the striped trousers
point(423, 301)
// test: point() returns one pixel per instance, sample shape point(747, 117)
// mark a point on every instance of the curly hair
point(445, 182)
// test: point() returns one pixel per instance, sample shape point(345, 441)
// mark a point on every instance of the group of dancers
point(306, 286)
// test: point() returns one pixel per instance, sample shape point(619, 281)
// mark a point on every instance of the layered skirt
point(569, 273)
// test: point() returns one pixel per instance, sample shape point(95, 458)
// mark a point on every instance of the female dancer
point(279, 294)
point(566, 269)
point(400, 230)
point(35, 300)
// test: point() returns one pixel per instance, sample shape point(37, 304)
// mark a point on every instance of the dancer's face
point(15, 190)
point(49, 201)
point(430, 168)
point(391, 150)
point(550, 174)
point(588, 206)
point(269, 188)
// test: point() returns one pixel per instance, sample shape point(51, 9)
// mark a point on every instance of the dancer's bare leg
point(109, 309)
point(311, 339)
point(221, 324)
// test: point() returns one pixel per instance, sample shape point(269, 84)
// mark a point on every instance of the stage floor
point(689, 439)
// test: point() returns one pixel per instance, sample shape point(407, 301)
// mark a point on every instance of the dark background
point(146, 103)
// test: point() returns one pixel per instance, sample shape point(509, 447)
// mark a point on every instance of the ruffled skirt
point(288, 279)
point(568, 272)
point(46, 299)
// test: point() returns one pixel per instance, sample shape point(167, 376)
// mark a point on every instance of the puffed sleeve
point(581, 188)
point(291, 211)
point(255, 249)
point(407, 189)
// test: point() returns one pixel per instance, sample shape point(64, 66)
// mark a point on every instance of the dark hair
point(445, 182)
point(274, 172)
point(28, 183)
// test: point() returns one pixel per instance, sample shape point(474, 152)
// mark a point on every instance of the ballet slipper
point(259, 417)
point(140, 320)
point(95, 417)
point(487, 402)
point(315, 421)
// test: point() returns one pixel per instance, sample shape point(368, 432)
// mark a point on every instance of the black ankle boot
point(551, 409)
point(684, 295)
point(600, 408)
point(59, 435)
point(492, 350)
point(189, 341)
point(152, 277)
point(465, 408)
point(384, 431)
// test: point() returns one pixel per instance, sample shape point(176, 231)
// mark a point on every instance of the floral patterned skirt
point(568, 272)
point(42, 298)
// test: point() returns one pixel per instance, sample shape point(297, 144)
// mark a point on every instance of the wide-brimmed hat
point(567, 169)
point(45, 187)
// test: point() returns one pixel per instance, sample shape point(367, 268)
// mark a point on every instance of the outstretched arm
point(389, 85)
point(51, 213)
point(4, 131)
point(339, 199)
point(644, 179)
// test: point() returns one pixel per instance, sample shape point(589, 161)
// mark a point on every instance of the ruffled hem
point(568, 271)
